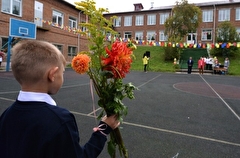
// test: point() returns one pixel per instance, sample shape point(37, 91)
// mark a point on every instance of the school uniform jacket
point(31, 129)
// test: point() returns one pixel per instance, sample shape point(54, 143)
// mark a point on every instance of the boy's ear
point(51, 73)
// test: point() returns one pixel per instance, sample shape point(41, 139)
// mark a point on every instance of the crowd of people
point(209, 63)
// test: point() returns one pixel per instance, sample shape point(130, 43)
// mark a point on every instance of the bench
point(219, 70)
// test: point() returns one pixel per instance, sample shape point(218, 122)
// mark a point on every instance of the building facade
point(56, 21)
point(148, 25)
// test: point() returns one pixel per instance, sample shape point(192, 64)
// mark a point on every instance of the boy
point(34, 127)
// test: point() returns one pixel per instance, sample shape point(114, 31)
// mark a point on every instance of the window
point(151, 20)
point(12, 7)
point(72, 51)
point(4, 43)
point(237, 13)
point(59, 47)
point(72, 22)
point(139, 20)
point(127, 35)
point(207, 15)
point(238, 32)
point(162, 37)
point(151, 35)
point(57, 18)
point(163, 18)
point(224, 15)
point(128, 21)
point(108, 36)
point(117, 22)
point(38, 13)
point(83, 28)
point(139, 35)
point(206, 34)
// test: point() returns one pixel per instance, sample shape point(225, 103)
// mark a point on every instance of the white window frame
point(206, 33)
point(139, 35)
point(139, 20)
point(117, 22)
point(128, 21)
point(59, 18)
point(38, 13)
point(237, 13)
point(151, 19)
point(8, 7)
point(207, 15)
point(238, 31)
point(127, 35)
point(162, 36)
point(163, 18)
point(224, 15)
point(151, 35)
point(72, 22)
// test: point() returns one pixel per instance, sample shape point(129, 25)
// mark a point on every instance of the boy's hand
point(111, 121)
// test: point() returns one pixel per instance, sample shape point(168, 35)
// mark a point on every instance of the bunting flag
point(66, 28)
point(187, 45)
point(150, 43)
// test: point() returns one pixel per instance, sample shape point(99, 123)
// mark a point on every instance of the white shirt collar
point(34, 96)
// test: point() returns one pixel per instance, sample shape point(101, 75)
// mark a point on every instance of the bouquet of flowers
point(106, 63)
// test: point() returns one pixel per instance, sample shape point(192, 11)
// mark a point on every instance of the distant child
point(34, 126)
point(226, 64)
point(145, 62)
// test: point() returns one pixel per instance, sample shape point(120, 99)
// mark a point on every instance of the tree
point(185, 19)
point(226, 32)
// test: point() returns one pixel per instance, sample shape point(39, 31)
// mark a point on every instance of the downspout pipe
point(78, 40)
point(214, 23)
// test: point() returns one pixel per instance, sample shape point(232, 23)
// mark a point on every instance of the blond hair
point(31, 59)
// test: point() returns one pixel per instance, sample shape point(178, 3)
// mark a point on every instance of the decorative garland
point(152, 43)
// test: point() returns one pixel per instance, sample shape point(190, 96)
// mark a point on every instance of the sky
point(127, 5)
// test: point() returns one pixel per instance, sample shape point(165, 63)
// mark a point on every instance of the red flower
point(118, 59)
point(80, 63)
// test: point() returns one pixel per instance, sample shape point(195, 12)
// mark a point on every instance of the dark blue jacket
point(40, 130)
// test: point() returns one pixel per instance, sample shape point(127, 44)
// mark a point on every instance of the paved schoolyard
point(172, 115)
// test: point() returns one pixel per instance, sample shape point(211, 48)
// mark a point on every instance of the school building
point(56, 21)
point(148, 24)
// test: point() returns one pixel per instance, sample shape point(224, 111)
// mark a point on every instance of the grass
point(157, 63)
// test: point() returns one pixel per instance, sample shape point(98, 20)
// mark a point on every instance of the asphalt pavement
point(172, 116)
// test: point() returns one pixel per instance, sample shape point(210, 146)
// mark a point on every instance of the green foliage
point(226, 32)
point(225, 52)
point(185, 19)
point(171, 52)
point(108, 86)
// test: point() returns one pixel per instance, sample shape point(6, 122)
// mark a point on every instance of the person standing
point(190, 65)
point(210, 62)
point(201, 65)
point(1, 59)
point(207, 63)
point(226, 64)
point(145, 62)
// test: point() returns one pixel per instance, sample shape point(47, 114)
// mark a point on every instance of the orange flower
point(80, 63)
point(118, 60)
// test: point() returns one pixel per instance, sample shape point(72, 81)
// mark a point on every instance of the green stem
point(117, 138)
